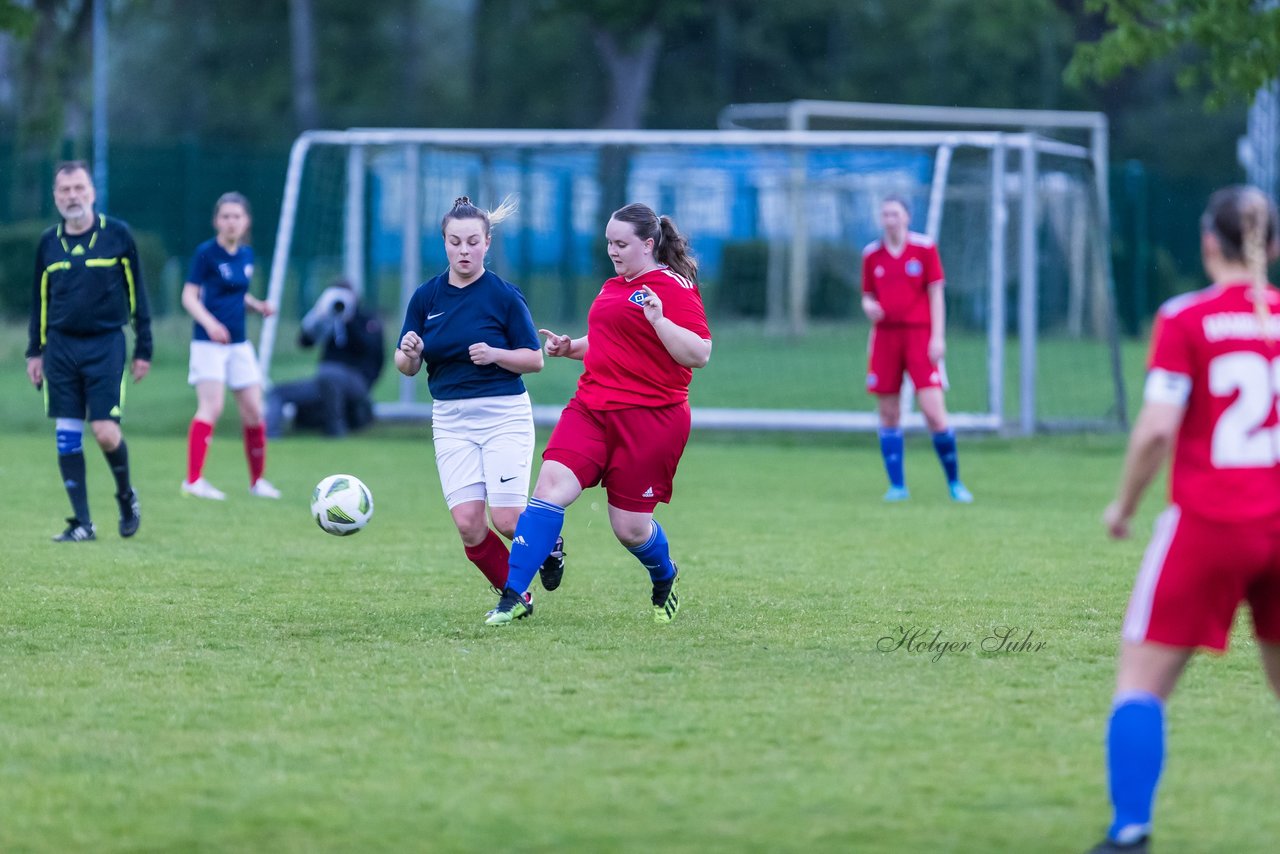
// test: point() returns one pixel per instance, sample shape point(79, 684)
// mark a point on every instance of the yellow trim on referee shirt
point(44, 298)
point(133, 294)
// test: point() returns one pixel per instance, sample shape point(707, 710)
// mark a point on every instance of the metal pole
point(798, 268)
point(100, 102)
point(411, 245)
point(353, 227)
point(284, 243)
point(996, 314)
point(938, 191)
point(1258, 146)
point(1028, 287)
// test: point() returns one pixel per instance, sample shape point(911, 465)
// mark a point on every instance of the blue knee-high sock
point(536, 533)
point(944, 442)
point(1135, 754)
point(891, 450)
point(71, 467)
point(655, 554)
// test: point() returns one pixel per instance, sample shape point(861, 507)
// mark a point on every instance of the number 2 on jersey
point(1238, 438)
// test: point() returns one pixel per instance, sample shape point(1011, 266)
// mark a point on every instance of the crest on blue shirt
point(224, 270)
point(914, 267)
point(637, 298)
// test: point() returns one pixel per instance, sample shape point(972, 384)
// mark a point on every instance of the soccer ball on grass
point(341, 504)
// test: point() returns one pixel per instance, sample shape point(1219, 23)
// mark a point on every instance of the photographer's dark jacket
point(356, 343)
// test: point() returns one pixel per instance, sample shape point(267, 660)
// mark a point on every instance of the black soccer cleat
point(76, 532)
point(1110, 846)
point(551, 573)
point(130, 513)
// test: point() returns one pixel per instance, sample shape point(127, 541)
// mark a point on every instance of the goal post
point(803, 114)
point(777, 218)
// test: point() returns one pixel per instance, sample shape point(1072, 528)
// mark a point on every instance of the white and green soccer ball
point(341, 504)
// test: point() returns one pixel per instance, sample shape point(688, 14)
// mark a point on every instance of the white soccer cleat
point(263, 489)
point(204, 489)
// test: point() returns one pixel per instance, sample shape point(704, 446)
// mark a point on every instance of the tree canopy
point(1230, 46)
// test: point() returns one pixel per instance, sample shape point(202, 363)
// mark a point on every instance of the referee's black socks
point(119, 462)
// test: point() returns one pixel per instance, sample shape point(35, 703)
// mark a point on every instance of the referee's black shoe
point(130, 513)
point(77, 532)
point(552, 570)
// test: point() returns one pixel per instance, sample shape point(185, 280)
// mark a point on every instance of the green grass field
point(232, 679)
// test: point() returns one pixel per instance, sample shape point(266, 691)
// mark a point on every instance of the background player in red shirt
point(1211, 395)
point(628, 423)
point(902, 296)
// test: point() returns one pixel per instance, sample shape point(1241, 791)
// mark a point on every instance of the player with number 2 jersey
point(1211, 397)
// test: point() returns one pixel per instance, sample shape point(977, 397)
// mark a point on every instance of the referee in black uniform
point(88, 285)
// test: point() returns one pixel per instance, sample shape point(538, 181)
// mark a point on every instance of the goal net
point(777, 219)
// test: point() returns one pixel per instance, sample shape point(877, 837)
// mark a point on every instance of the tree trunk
point(631, 75)
point(302, 32)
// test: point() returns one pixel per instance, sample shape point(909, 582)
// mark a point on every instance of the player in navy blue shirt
point(216, 294)
point(474, 333)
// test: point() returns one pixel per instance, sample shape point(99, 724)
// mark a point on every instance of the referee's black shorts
point(84, 377)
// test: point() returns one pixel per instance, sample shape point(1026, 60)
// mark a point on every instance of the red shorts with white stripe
point(895, 350)
point(633, 452)
point(1194, 576)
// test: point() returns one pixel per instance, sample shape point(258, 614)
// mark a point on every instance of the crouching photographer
point(336, 399)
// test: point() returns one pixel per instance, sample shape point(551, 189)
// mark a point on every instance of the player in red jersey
point(628, 423)
point(1211, 396)
point(902, 296)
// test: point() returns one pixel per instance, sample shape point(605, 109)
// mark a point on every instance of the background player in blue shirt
point(216, 294)
point(475, 334)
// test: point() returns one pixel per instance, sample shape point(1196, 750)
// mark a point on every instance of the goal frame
point(1026, 145)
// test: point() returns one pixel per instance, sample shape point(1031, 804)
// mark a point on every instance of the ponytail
point(1254, 216)
point(670, 247)
point(463, 208)
point(673, 250)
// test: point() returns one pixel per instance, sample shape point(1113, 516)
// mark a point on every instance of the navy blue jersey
point(450, 319)
point(224, 280)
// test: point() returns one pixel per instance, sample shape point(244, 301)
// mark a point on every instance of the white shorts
point(233, 365)
point(484, 449)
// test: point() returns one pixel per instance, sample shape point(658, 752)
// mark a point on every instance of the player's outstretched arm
point(261, 306)
point(563, 345)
